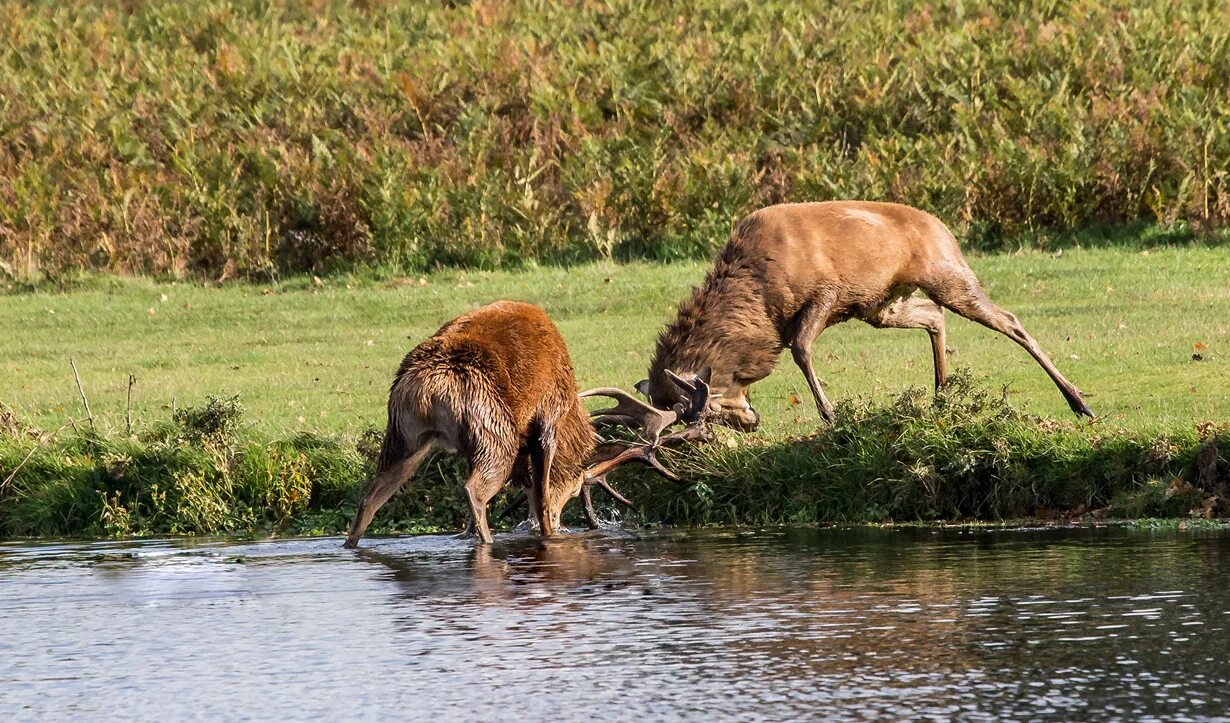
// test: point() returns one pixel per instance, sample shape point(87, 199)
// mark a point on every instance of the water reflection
point(737, 623)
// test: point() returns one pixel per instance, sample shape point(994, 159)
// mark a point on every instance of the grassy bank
point(1144, 334)
point(966, 454)
point(236, 137)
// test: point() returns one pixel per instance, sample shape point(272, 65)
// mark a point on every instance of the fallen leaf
point(794, 399)
point(1199, 346)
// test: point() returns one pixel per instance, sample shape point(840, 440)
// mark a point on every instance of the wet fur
point(497, 386)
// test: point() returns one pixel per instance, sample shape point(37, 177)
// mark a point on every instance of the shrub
point(232, 137)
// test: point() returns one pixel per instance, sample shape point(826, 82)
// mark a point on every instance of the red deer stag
point(792, 270)
point(496, 385)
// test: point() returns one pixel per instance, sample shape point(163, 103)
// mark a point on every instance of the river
point(750, 624)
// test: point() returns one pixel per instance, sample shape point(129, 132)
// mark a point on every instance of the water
point(777, 624)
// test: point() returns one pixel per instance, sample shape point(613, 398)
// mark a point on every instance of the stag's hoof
point(350, 544)
point(1080, 409)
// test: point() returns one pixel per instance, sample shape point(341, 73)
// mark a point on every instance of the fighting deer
point(497, 386)
point(630, 413)
point(792, 270)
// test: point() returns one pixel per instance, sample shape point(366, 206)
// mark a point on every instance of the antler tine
point(694, 432)
point(629, 410)
point(587, 497)
point(643, 453)
point(696, 392)
point(601, 482)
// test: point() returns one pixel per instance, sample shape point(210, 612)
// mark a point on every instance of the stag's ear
point(643, 387)
point(705, 374)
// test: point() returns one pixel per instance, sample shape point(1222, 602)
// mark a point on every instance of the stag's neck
point(724, 325)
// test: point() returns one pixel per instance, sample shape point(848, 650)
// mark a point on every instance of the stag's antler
point(696, 391)
point(606, 458)
point(630, 412)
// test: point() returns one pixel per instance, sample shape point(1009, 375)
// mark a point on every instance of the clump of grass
point(233, 137)
point(217, 419)
point(964, 454)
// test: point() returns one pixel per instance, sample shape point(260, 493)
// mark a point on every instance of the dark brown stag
point(790, 271)
point(497, 386)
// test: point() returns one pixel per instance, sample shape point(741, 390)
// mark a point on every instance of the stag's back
point(505, 358)
point(493, 371)
point(863, 249)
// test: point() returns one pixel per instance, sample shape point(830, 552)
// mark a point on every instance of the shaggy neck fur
point(724, 325)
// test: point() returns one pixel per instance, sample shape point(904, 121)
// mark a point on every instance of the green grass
point(311, 362)
point(308, 357)
point(216, 138)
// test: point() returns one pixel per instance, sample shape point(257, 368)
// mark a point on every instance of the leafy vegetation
point(246, 138)
point(965, 453)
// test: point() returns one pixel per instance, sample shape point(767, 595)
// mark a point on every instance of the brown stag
point(792, 270)
point(497, 386)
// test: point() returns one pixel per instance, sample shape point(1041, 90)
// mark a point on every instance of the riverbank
point(1142, 332)
point(965, 454)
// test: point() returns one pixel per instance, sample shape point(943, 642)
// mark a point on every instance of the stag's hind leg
point(915, 313)
point(966, 297)
point(487, 477)
point(392, 474)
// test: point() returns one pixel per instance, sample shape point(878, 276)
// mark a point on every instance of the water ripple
point(747, 624)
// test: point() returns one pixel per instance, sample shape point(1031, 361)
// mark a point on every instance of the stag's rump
point(483, 371)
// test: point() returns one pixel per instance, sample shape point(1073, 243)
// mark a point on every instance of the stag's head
point(561, 490)
point(724, 401)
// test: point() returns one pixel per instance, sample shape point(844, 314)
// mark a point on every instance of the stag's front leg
point(807, 327)
point(541, 499)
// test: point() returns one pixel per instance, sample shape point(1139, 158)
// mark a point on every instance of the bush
point(232, 137)
point(964, 454)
